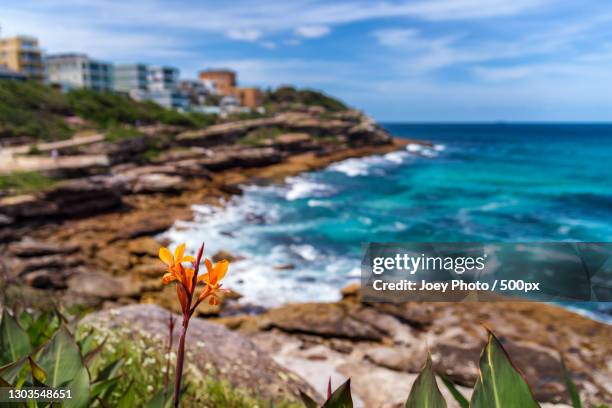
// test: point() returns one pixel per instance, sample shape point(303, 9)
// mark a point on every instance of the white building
point(151, 83)
point(79, 71)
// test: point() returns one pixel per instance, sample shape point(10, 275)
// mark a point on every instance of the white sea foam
point(303, 187)
point(352, 167)
point(320, 203)
point(413, 147)
point(396, 157)
point(307, 252)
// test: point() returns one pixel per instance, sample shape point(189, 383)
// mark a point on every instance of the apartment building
point(248, 97)
point(198, 92)
point(224, 80)
point(79, 71)
point(128, 77)
point(9, 74)
point(22, 54)
point(144, 82)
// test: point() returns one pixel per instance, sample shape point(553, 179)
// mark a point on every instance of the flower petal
point(179, 252)
point(189, 258)
point(221, 269)
point(167, 278)
point(166, 256)
point(204, 278)
point(208, 264)
point(189, 278)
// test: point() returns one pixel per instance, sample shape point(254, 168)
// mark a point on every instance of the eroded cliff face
point(99, 221)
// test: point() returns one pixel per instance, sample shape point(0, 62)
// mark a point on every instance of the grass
point(259, 136)
point(32, 109)
point(25, 182)
point(117, 133)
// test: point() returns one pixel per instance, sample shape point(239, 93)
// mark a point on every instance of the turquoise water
point(496, 182)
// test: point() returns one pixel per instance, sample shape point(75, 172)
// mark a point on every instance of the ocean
point(301, 241)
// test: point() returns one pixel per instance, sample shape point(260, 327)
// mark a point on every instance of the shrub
point(308, 97)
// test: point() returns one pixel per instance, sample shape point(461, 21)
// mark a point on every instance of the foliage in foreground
point(103, 368)
point(499, 385)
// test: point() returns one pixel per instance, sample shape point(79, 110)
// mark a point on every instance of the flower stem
point(179, 361)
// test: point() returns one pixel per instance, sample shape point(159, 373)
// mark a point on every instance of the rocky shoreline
point(99, 223)
point(90, 240)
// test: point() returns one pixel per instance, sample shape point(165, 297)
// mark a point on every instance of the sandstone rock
point(222, 254)
point(49, 262)
point(232, 357)
point(157, 183)
point(46, 279)
point(292, 141)
point(144, 246)
point(351, 291)
point(242, 157)
point(284, 267)
point(225, 133)
point(26, 206)
point(103, 286)
point(322, 319)
point(84, 196)
point(29, 248)
point(397, 358)
point(160, 129)
point(127, 150)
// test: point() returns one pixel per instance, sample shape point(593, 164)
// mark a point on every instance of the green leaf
point(86, 343)
point(128, 398)
point(425, 392)
point(14, 341)
point(499, 384)
point(309, 402)
point(103, 387)
point(463, 403)
point(341, 398)
point(10, 371)
point(38, 374)
point(61, 359)
point(110, 370)
point(79, 389)
point(158, 400)
point(570, 386)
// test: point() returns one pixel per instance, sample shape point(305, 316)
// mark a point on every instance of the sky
point(418, 60)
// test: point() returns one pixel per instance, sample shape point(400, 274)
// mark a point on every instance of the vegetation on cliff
point(34, 111)
point(287, 96)
point(38, 112)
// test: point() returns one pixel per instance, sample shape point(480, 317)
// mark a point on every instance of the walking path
point(15, 158)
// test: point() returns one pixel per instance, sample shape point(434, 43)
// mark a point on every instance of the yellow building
point(23, 55)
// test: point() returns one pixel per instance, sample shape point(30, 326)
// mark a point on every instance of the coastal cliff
point(87, 236)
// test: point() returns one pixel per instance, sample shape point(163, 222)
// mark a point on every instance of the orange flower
point(176, 271)
point(212, 279)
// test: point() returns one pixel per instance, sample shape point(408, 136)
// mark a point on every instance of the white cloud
point(249, 35)
point(268, 44)
point(312, 31)
point(399, 37)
